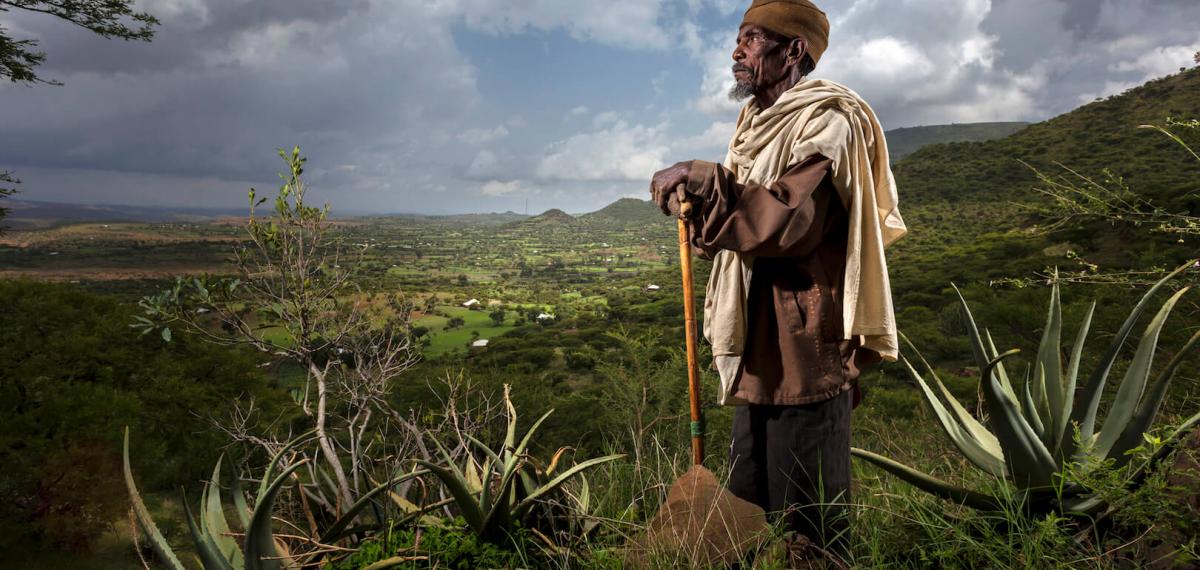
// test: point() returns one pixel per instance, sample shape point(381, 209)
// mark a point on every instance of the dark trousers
point(794, 462)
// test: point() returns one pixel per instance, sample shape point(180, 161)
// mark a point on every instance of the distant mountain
point(625, 210)
point(31, 214)
point(903, 142)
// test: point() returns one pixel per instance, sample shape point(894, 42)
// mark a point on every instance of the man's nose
point(738, 54)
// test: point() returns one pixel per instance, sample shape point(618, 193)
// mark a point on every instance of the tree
point(7, 188)
point(497, 316)
point(293, 298)
point(107, 18)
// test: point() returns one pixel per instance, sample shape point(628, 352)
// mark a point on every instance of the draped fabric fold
point(814, 117)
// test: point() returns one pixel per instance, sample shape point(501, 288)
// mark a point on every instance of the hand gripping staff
point(689, 320)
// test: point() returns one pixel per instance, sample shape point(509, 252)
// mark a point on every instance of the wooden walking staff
point(689, 319)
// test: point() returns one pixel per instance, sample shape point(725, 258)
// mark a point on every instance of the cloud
point(477, 136)
point(619, 152)
point(417, 104)
point(498, 188)
point(621, 23)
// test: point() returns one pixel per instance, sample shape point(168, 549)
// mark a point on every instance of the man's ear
point(796, 50)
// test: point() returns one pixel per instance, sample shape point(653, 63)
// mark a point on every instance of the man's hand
point(663, 187)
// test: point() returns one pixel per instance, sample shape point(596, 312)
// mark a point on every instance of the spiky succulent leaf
point(211, 557)
point(1149, 406)
point(1049, 370)
point(929, 483)
point(160, 545)
point(472, 511)
point(213, 520)
point(963, 439)
point(985, 438)
point(561, 478)
point(1001, 372)
point(276, 459)
point(1070, 381)
point(1029, 462)
point(336, 531)
point(1134, 383)
point(239, 502)
point(1029, 406)
point(1084, 413)
point(260, 550)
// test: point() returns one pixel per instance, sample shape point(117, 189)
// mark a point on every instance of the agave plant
point(215, 543)
point(510, 487)
point(1044, 435)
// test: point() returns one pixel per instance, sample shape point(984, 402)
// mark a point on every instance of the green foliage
point(1042, 434)
point(509, 488)
point(74, 374)
point(450, 545)
point(107, 18)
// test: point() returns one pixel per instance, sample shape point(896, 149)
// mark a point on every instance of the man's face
point(759, 61)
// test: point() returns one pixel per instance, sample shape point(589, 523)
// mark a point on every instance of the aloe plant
point(508, 487)
point(214, 542)
point(1042, 433)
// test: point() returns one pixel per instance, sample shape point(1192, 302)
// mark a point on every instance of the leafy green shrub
point(452, 546)
point(74, 373)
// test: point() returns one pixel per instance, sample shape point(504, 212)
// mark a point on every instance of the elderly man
point(796, 221)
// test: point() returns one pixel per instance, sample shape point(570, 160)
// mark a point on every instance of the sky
point(450, 106)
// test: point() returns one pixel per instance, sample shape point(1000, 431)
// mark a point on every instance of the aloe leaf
point(1085, 415)
point(1030, 408)
point(260, 551)
point(985, 438)
point(485, 449)
point(929, 483)
point(213, 521)
point(1028, 461)
point(1085, 506)
point(1001, 372)
point(585, 498)
point(336, 530)
point(977, 346)
point(239, 502)
point(561, 478)
point(1049, 369)
point(1062, 423)
point(160, 545)
point(510, 434)
point(532, 429)
point(473, 480)
point(970, 446)
point(451, 467)
point(1148, 409)
point(266, 478)
point(1134, 383)
point(211, 557)
point(471, 510)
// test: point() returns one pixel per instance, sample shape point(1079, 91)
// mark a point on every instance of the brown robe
point(795, 228)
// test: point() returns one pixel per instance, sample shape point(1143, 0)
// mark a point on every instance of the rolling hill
point(903, 142)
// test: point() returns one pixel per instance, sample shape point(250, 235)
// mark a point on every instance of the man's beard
point(742, 89)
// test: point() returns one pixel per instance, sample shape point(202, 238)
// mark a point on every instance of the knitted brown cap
point(794, 19)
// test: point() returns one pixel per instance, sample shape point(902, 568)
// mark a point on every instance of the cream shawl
point(813, 117)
